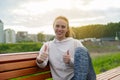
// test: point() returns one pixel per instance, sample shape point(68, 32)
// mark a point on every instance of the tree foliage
point(41, 37)
point(97, 30)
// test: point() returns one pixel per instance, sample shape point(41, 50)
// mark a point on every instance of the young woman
point(68, 58)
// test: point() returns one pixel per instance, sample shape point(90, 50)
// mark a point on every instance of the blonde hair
point(68, 33)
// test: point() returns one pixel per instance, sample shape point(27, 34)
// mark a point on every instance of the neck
point(60, 39)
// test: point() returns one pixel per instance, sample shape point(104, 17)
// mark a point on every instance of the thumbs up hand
point(41, 58)
point(67, 57)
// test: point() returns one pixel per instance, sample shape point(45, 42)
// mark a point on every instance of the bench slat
point(108, 74)
point(116, 78)
point(22, 72)
point(17, 65)
point(4, 58)
point(38, 77)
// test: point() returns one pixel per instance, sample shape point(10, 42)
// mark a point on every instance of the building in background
point(22, 36)
point(1, 32)
point(49, 37)
point(33, 37)
point(10, 36)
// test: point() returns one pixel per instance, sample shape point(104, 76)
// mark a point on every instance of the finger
point(45, 48)
point(43, 58)
point(44, 55)
point(67, 52)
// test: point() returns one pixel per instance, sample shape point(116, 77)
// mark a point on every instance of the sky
point(36, 16)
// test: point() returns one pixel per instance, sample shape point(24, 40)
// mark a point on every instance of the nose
point(59, 28)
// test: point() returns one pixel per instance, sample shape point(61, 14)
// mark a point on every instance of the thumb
point(45, 48)
point(67, 52)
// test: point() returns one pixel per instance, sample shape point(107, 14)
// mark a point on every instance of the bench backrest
point(14, 65)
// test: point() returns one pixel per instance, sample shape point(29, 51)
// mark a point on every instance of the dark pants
point(83, 68)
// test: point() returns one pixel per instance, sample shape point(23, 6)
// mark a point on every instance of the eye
point(63, 26)
point(57, 26)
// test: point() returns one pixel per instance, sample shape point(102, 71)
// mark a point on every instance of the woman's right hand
point(42, 57)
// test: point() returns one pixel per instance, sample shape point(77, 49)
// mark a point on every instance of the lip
point(59, 32)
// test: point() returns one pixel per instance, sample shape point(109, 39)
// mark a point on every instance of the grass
point(105, 62)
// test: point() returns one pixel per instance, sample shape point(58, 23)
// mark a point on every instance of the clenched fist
point(42, 57)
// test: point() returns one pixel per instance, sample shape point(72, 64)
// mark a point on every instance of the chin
point(59, 36)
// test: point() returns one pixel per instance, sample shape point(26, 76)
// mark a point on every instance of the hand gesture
point(42, 57)
point(67, 57)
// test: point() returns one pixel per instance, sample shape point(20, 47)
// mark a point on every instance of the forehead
point(61, 21)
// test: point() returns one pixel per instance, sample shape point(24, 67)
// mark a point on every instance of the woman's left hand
point(67, 57)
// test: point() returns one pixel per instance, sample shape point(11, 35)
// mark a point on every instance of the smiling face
point(60, 28)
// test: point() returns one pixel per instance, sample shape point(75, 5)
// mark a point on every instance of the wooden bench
point(14, 65)
point(113, 74)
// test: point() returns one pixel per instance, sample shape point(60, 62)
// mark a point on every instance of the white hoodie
point(56, 50)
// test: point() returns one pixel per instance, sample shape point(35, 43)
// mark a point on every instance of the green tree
point(97, 30)
point(41, 37)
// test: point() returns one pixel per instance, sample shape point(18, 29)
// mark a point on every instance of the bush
point(19, 47)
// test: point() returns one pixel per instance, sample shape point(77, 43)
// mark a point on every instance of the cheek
point(55, 29)
point(66, 30)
